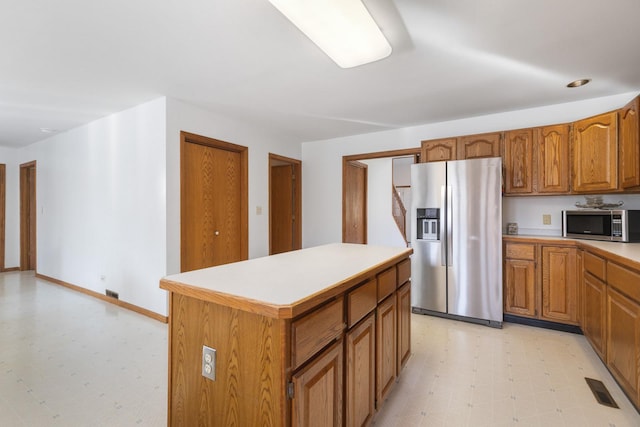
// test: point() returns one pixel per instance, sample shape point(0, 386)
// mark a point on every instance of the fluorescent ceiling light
point(343, 29)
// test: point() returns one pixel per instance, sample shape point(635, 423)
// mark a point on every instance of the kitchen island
point(309, 337)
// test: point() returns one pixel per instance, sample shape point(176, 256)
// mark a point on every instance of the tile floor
point(462, 374)
point(67, 359)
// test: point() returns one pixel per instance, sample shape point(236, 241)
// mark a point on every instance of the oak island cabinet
point(315, 337)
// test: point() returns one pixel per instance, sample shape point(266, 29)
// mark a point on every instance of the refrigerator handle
point(443, 233)
point(449, 226)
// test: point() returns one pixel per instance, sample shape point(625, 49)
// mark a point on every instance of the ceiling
point(65, 63)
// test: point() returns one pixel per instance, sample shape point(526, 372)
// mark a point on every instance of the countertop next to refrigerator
point(627, 254)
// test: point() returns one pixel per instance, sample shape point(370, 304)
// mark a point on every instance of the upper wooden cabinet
point(537, 160)
point(478, 146)
point(551, 159)
point(595, 153)
point(629, 144)
point(518, 161)
point(437, 150)
point(460, 148)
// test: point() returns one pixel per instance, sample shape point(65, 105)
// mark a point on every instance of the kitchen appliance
point(616, 225)
point(456, 269)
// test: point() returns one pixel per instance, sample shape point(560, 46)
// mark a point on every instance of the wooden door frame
point(297, 169)
point(24, 218)
point(192, 138)
point(345, 165)
point(367, 156)
point(3, 211)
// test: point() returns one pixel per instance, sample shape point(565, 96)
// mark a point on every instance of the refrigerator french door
point(457, 239)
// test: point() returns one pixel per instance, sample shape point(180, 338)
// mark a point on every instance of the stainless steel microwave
point(609, 225)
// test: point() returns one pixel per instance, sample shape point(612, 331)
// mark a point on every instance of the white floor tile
point(67, 359)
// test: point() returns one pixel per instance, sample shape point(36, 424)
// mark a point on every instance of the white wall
point(185, 117)
point(381, 227)
point(528, 211)
point(322, 180)
point(101, 205)
point(8, 156)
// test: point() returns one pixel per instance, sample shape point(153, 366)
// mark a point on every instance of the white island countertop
point(285, 285)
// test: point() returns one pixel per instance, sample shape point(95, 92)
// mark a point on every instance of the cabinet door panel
point(630, 144)
point(404, 325)
point(318, 389)
point(559, 277)
point(595, 153)
point(437, 150)
point(623, 345)
point(518, 150)
point(361, 380)
point(386, 347)
point(594, 313)
point(478, 146)
point(552, 149)
point(519, 286)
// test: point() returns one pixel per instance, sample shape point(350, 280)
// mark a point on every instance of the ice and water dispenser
point(428, 227)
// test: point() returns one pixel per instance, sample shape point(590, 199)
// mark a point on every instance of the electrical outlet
point(111, 294)
point(546, 219)
point(258, 210)
point(209, 362)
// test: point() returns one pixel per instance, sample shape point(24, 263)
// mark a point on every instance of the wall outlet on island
point(546, 219)
point(209, 362)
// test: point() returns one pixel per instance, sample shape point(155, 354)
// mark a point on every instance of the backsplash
point(528, 211)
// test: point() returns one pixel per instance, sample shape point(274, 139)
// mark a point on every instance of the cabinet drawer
point(404, 271)
point(360, 302)
point(520, 251)
point(312, 332)
point(626, 281)
point(386, 283)
point(595, 265)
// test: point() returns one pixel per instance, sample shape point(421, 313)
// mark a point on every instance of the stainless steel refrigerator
point(456, 209)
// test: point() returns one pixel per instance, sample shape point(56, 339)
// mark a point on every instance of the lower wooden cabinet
point(361, 379)
point(541, 281)
point(623, 342)
point(386, 347)
point(519, 287)
point(520, 279)
point(404, 325)
point(559, 284)
point(594, 313)
point(318, 390)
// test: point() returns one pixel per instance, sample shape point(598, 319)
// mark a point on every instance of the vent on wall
point(111, 293)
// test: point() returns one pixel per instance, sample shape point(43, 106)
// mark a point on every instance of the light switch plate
point(209, 362)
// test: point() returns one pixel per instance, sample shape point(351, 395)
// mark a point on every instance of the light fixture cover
point(343, 29)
